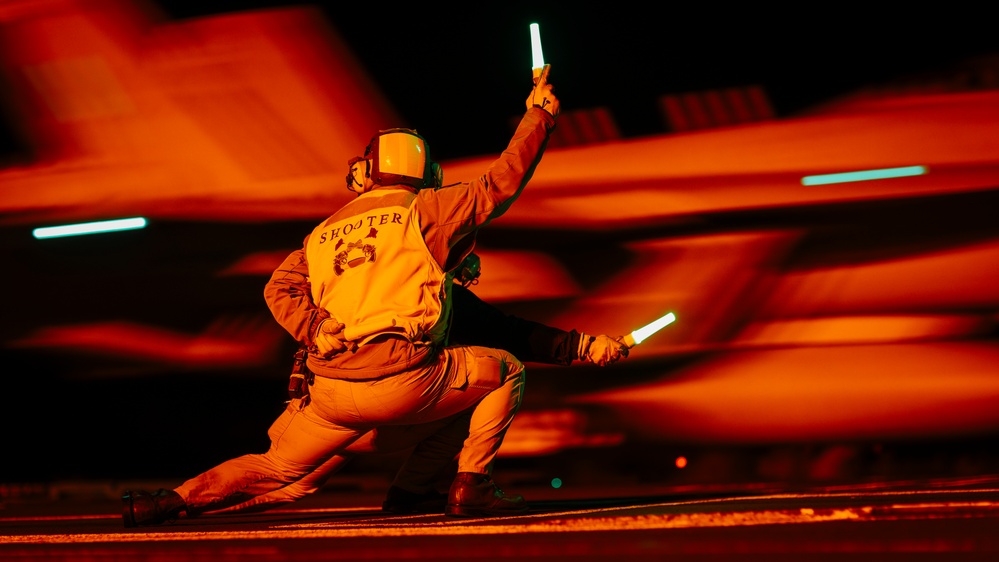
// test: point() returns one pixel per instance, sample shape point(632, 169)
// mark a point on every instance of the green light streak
point(89, 228)
point(864, 175)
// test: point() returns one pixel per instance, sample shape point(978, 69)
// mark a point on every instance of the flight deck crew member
point(434, 445)
point(378, 269)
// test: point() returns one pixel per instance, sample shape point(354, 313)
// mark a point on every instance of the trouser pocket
point(486, 372)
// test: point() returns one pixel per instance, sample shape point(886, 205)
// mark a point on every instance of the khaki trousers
point(481, 385)
point(435, 448)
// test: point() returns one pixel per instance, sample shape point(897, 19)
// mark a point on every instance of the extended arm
point(452, 213)
point(477, 322)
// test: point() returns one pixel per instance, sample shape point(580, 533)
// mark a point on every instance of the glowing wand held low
point(639, 335)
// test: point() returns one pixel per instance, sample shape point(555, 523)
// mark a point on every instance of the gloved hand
point(601, 350)
point(543, 97)
point(329, 339)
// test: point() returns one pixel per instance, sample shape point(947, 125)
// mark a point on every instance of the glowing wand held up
point(639, 335)
point(538, 67)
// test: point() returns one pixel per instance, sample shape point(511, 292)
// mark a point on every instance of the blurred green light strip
point(864, 175)
point(89, 228)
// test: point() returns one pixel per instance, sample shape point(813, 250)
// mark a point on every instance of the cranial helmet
point(395, 156)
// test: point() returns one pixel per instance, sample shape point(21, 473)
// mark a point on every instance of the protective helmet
point(395, 156)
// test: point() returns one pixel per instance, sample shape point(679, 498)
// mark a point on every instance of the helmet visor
point(402, 154)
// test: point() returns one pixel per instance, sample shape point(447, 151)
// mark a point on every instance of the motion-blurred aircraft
point(809, 307)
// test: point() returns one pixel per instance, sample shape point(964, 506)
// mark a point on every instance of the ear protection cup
point(356, 174)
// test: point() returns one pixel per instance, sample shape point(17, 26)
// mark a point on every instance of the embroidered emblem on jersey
point(355, 254)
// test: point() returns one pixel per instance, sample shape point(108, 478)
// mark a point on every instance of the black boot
point(144, 508)
point(404, 502)
point(476, 495)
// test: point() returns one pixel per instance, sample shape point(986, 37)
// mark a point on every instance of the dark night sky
point(458, 75)
point(455, 74)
